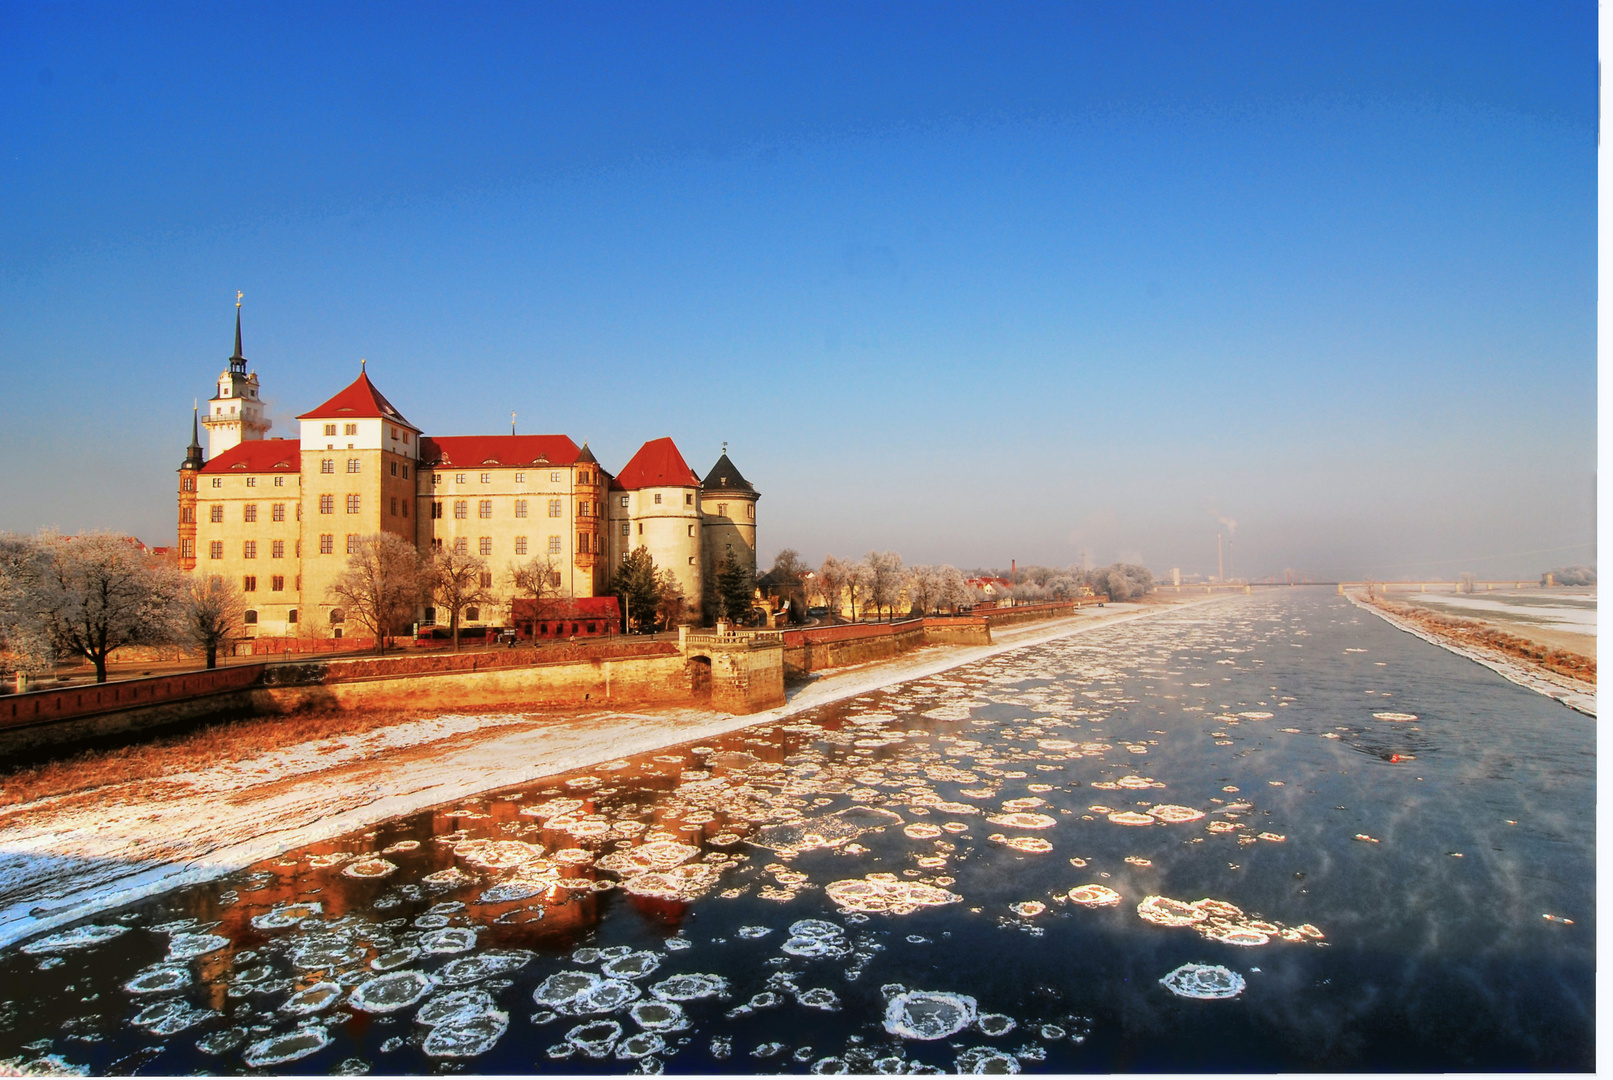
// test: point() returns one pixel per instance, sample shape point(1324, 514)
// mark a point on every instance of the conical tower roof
point(725, 477)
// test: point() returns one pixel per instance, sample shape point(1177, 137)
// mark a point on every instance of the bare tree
point(213, 610)
point(456, 583)
point(830, 584)
point(924, 588)
point(381, 586)
point(98, 592)
point(539, 579)
point(673, 606)
point(859, 580)
point(885, 585)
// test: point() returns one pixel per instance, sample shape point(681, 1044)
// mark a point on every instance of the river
point(1273, 833)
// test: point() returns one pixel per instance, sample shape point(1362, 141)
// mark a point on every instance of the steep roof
point(468, 451)
point(360, 399)
point(657, 464)
point(723, 476)
point(259, 456)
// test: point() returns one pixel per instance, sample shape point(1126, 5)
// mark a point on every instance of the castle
point(280, 516)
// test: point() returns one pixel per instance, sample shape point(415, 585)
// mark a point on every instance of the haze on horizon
point(973, 283)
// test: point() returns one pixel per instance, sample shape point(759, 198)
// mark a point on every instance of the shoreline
point(64, 863)
point(1520, 672)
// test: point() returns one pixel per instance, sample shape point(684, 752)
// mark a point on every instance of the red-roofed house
point(281, 516)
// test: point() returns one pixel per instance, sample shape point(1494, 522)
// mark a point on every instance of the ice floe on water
point(1093, 896)
point(484, 965)
point(1204, 981)
point(80, 937)
point(465, 1032)
point(883, 892)
point(813, 939)
point(690, 987)
point(658, 1015)
point(391, 992)
point(160, 979)
point(986, 1061)
point(313, 999)
point(183, 946)
point(170, 1016)
point(288, 1047)
point(285, 916)
point(920, 1014)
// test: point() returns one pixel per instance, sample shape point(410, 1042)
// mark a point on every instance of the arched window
point(337, 616)
point(250, 618)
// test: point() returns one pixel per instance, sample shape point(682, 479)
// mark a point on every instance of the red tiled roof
point(259, 456)
point(469, 451)
point(359, 399)
point(657, 464)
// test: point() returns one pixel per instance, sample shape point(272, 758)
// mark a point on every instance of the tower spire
point(193, 452)
point(237, 361)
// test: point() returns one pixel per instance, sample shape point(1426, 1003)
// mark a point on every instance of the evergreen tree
point(637, 584)
point(736, 589)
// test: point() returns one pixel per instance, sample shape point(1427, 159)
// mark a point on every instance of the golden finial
point(361, 363)
point(238, 295)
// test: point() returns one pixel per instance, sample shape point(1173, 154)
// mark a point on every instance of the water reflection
point(1141, 848)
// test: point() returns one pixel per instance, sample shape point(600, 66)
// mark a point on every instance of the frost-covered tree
point(1123, 581)
point(830, 584)
point(924, 588)
point(98, 592)
point(885, 585)
point(382, 585)
point(457, 581)
point(859, 580)
point(25, 645)
point(955, 591)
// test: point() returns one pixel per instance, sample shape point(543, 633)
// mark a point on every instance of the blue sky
point(972, 282)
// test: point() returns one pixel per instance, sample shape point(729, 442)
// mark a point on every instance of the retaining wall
point(806, 651)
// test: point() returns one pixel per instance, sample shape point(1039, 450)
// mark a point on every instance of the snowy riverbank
point(64, 858)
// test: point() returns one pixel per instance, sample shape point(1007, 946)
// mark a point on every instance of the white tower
point(235, 413)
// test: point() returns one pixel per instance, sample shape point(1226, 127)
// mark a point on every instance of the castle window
point(487, 580)
point(554, 478)
point(436, 509)
point(215, 549)
point(484, 546)
point(249, 512)
point(520, 508)
point(187, 484)
point(582, 476)
point(297, 547)
point(436, 478)
point(187, 548)
point(641, 528)
point(627, 529)
point(352, 504)
point(251, 481)
point(327, 544)
point(487, 478)
point(250, 617)
point(461, 546)
point(406, 508)
point(520, 545)
point(215, 512)
point(277, 549)
point(459, 478)
point(352, 543)
point(722, 509)
point(691, 530)
point(352, 464)
point(657, 498)
point(750, 511)
point(582, 509)
point(394, 435)
point(327, 504)
point(554, 508)
point(436, 543)
point(406, 472)
point(520, 478)
point(249, 584)
point(394, 465)
point(218, 481)
point(330, 429)
point(350, 429)
point(485, 509)
point(327, 465)
point(624, 502)
point(688, 498)
point(277, 512)
point(187, 515)
point(460, 508)
point(279, 481)
point(473, 614)
point(554, 545)
point(277, 583)
point(691, 560)
point(394, 508)
point(337, 616)
point(291, 616)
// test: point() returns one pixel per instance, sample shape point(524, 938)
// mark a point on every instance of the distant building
point(280, 516)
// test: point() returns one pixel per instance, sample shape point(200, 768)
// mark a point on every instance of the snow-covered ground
point(62, 858)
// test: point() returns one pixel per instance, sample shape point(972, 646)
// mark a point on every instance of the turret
point(235, 413)
point(187, 495)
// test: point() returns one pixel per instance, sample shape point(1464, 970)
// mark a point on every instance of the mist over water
point(1336, 843)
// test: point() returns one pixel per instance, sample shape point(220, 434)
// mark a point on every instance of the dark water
point(1434, 954)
